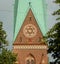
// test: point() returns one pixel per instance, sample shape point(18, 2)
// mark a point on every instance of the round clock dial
point(29, 30)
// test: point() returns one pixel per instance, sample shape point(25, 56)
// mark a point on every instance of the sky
point(7, 16)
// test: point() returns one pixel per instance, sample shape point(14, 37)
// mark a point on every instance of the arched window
point(32, 62)
point(28, 62)
point(30, 59)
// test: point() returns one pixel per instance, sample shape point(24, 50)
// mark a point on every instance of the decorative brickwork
point(29, 44)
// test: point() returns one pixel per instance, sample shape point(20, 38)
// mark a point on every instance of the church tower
point(29, 29)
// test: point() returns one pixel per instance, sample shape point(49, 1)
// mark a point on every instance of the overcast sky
point(6, 16)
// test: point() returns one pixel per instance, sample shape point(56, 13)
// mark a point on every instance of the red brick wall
point(22, 55)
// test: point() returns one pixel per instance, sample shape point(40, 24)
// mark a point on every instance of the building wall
point(39, 55)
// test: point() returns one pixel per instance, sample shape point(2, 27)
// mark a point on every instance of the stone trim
point(30, 47)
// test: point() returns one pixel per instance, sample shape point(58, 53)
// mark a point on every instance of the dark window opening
point(30, 18)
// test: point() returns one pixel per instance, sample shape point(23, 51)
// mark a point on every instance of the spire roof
point(38, 9)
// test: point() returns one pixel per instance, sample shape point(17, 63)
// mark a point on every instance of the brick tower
point(29, 44)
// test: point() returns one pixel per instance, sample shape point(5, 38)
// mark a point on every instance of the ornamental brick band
point(30, 47)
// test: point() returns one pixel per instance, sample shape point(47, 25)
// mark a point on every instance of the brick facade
point(30, 49)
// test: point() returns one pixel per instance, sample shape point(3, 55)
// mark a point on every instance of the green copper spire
point(21, 9)
point(15, 12)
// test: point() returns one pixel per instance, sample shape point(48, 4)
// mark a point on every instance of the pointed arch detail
point(30, 59)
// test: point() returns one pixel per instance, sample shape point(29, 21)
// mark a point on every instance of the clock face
point(29, 30)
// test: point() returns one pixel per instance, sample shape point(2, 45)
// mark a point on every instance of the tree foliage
point(2, 35)
point(54, 42)
point(57, 12)
point(57, 1)
point(53, 38)
point(6, 56)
